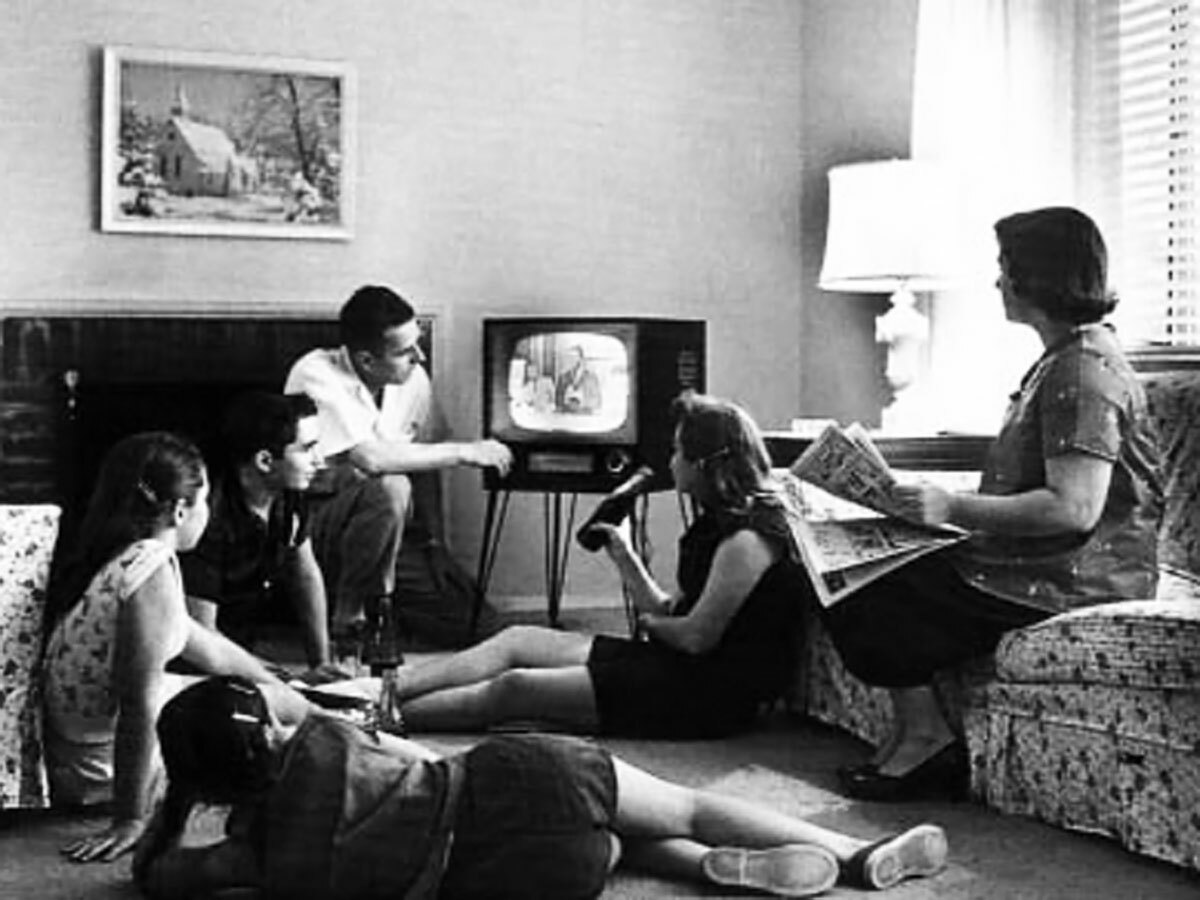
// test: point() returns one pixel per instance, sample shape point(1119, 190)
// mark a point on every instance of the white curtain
point(993, 106)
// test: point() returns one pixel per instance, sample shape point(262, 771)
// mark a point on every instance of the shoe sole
point(917, 853)
point(794, 870)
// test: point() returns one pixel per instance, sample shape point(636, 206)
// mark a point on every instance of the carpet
point(32, 867)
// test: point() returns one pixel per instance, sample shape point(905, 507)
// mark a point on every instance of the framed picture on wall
point(216, 144)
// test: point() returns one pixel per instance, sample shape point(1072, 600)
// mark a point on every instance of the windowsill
point(932, 452)
point(1163, 359)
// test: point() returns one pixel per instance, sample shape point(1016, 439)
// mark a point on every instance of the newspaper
point(848, 552)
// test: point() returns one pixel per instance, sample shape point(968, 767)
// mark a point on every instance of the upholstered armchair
point(1089, 720)
point(27, 535)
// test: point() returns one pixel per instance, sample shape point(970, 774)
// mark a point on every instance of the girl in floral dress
point(121, 617)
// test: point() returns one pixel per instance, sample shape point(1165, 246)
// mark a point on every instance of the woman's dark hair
point(214, 747)
point(140, 482)
point(259, 420)
point(214, 742)
point(1056, 259)
point(370, 311)
point(726, 443)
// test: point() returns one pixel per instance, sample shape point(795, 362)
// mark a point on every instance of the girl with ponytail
point(116, 617)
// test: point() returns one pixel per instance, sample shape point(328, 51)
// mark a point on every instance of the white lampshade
point(891, 227)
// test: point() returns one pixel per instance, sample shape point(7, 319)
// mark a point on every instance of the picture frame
point(219, 144)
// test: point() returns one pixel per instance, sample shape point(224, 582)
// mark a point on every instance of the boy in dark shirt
point(257, 544)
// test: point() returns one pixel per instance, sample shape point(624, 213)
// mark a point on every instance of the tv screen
point(572, 382)
point(583, 401)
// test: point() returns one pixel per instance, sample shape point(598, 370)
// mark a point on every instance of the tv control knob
point(617, 461)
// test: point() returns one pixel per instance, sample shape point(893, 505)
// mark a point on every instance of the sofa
point(27, 536)
point(1089, 720)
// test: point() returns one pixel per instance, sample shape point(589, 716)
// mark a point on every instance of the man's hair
point(258, 420)
point(371, 311)
point(1056, 259)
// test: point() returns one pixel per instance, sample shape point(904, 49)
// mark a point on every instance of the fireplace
point(71, 386)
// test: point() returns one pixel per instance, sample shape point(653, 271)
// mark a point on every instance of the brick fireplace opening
point(70, 386)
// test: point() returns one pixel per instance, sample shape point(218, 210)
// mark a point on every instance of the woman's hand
point(118, 839)
point(925, 503)
point(617, 542)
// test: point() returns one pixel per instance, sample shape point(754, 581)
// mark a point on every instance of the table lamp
point(890, 231)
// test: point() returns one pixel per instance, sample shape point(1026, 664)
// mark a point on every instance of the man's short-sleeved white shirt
point(346, 411)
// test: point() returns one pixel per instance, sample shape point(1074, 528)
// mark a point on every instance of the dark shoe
point(791, 870)
point(942, 775)
point(915, 853)
point(613, 509)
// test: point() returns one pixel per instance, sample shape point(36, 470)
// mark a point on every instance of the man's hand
point(325, 673)
point(925, 503)
point(105, 846)
point(489, 454)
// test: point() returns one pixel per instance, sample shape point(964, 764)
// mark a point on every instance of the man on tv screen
point(374, 403)
point(578, 387)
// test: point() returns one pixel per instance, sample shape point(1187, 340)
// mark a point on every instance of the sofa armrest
point(27, 536)
point(1133, 643)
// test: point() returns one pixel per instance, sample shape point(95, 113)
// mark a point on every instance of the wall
point(515, 157)
point(858, 68)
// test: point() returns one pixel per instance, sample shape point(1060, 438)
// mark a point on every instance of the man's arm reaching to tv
point(380, 457)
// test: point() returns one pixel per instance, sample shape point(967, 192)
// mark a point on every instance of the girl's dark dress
point(648, 689)
point(512, 818)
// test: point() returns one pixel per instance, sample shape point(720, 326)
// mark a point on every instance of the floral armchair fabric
point(1089, 720)
point(27, 535)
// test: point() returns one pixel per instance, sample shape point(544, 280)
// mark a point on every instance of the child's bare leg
point(516, 647)
point(680, 858)
point(681, 831)
point(649, 807)
point(558, 696)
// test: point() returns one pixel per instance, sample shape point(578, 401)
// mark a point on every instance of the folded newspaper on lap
point(844, 554)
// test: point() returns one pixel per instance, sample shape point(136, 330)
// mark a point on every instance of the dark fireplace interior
point(73, 386)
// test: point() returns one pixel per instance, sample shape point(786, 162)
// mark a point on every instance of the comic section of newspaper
point(864, 538)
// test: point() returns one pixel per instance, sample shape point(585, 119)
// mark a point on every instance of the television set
point(585, 401)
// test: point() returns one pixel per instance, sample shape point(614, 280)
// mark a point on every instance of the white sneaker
point(915, 853)
point(791, 870)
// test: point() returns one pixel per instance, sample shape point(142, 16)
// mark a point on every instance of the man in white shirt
point(374, 405)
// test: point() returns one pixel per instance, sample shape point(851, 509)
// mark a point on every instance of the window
point(1138, 115)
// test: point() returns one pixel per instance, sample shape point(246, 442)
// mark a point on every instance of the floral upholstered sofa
point(27, 535)
point(1089, 720)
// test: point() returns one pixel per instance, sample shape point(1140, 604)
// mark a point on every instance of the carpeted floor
point(787, 763)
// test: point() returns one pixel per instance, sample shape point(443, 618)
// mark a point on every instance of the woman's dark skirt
point(923, 617)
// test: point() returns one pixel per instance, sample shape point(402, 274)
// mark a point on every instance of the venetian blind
point(1137, 115)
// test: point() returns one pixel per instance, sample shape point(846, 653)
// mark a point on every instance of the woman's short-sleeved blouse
point(80, 700)
point(1080, 397)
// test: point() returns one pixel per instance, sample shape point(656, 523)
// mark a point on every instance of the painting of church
point(195, 159)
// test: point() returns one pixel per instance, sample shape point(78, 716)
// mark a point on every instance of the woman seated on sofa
point(117, 615)
point(267, 793)
point(715, 651)
point(1066, 514)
